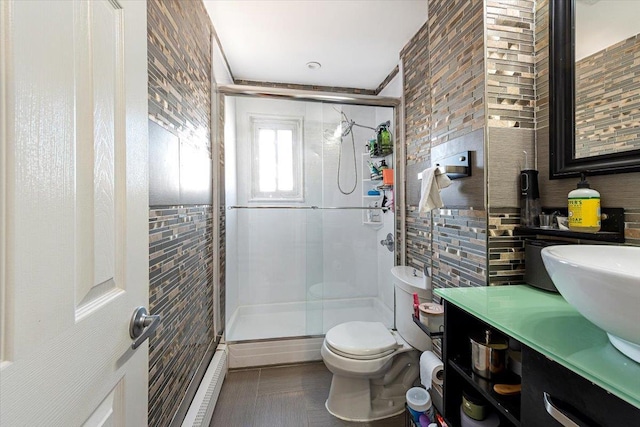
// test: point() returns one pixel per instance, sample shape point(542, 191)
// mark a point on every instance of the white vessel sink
point(603, 284)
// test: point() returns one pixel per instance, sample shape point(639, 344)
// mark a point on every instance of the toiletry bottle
point(373, 147)
point(584, 208)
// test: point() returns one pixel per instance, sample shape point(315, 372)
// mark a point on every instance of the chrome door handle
point(142, 325)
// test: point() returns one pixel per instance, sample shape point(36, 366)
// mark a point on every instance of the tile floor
point(289, 396)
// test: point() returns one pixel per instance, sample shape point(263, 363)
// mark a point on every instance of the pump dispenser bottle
point(584, 208)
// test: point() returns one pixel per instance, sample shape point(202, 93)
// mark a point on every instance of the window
point(276, 171)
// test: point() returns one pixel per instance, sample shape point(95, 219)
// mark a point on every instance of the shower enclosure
point(304, 252)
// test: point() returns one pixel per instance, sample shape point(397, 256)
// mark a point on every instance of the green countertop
point(548, 324)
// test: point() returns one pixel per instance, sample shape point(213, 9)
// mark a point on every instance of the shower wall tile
point(180, 276)
point(337, 89)
point(181, 252)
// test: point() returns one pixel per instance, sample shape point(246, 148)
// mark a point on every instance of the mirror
point(594, 87)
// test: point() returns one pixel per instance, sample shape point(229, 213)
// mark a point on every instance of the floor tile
point(281, 409)
point(237, 401)
point(287, 396)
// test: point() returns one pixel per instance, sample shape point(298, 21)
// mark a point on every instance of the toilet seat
point(362, 340)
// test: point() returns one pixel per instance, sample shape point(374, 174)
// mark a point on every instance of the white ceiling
point(600, 24)
point(357, 41)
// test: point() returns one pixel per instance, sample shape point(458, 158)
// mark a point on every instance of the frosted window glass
point(268, 162)
point(285, 160)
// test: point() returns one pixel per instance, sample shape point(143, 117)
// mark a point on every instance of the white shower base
point(273, 334)
point(300, 319)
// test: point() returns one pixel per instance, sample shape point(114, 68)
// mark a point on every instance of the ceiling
point(357, 42)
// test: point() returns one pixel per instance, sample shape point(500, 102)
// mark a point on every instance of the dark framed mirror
point(605, 136)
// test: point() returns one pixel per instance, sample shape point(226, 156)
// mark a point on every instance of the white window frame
point(294, 124)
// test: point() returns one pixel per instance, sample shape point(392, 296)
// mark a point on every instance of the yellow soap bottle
point(584, 208)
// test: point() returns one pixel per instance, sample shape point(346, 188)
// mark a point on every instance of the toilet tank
point(406, 283)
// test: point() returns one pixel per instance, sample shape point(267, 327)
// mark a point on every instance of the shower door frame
point(343, 99)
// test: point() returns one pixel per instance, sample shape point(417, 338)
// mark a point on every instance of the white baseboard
point(201, 408)
point(276, 352)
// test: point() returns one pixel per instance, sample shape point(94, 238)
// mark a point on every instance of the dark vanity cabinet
point(547, 386)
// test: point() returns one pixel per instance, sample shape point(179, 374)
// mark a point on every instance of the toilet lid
point(361, 338)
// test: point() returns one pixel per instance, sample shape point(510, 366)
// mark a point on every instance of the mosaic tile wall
point(542, 64)
point(510, 63)
point(506, 251)
point(444, 99)
point(554, 192)
point(179, 50)
point(417, 114)
point(417, 97)
point(180, 237)
point(511, 111)
point(456, 68)
point(459, 248)
point(180, 274)
point(607, 102)
point(222, 218)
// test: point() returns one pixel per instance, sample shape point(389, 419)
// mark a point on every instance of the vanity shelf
point(508, 406)
point(600, 236)
point(612, 227)
point(426, 330)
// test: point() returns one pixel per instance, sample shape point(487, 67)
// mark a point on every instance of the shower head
point(343, 129)
point(346, 127)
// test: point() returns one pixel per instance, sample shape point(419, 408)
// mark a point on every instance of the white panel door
point(73, 212)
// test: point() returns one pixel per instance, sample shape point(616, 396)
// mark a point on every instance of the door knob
point(142, 325)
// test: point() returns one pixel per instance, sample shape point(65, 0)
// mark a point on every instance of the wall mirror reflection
point(595, 87)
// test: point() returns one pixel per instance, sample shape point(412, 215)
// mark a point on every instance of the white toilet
point(372, 366)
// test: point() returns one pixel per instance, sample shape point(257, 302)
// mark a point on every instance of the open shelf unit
point(460, 377)
point(373, 218)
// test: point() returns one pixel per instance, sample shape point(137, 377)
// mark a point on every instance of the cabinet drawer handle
point(562, 415)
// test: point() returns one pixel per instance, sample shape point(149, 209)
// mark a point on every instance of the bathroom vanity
point(568, 366)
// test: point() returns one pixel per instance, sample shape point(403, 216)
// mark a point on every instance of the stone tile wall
point(181, 285)
point(180, 278)
point(443, 72)
point(511, 109)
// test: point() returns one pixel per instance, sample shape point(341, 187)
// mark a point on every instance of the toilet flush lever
point(142, 325)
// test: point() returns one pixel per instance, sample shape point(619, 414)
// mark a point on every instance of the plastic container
point(387, 176)
point(584, 208)
point(419, 403)
point(432, 316)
